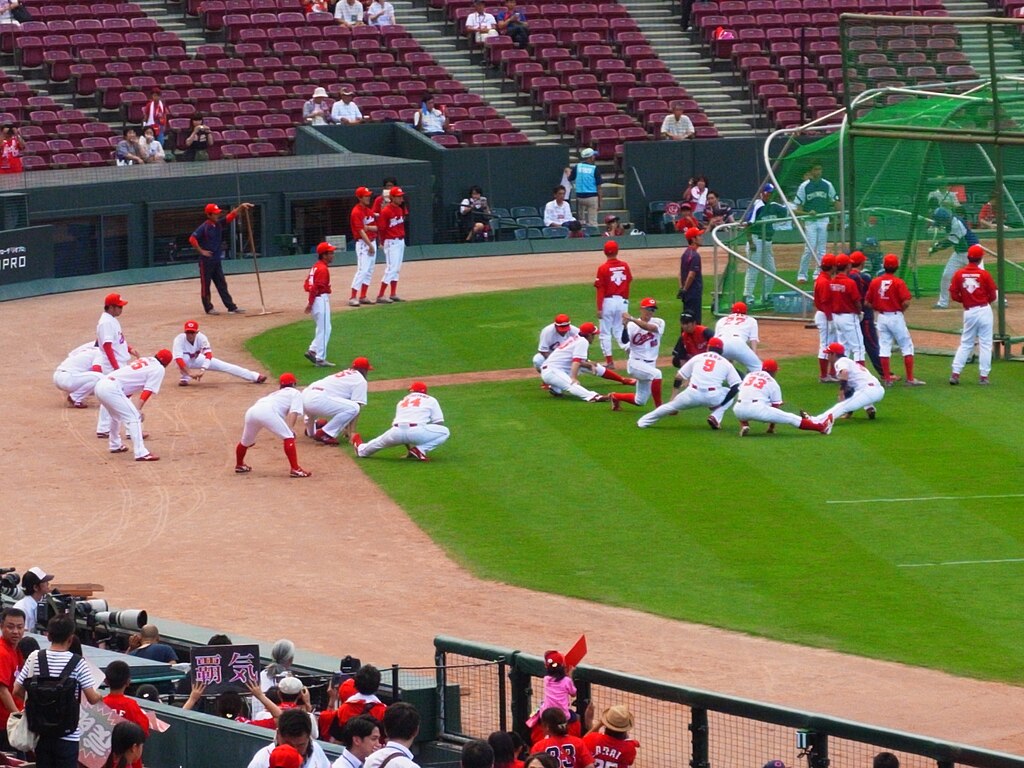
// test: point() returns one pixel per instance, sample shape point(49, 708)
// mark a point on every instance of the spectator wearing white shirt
point(402, 724)
point(36, 583)
point(381, 13)
point(557, 212)
point(349, 13)
point(346, 111)
point(430, 120)
point(480, 24)
point(317, 111)
point(294, 729)
point(677, 126)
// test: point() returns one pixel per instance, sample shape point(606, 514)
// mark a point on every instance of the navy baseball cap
point(768, 188)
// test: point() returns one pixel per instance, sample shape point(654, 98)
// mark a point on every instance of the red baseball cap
point(364, 192)
point(739, 308)
point(716, 344)
point(164, 356)
point(648, 303)
point(828, 261)
point(587, 329)
point(975, 253)
point(857, 258)
point(611, 248)
point(285, 756)
point(396, 192)
point(842, 260)
point(418, 386)
point(191, 325)
point(835, 348)
point(562, 321)
point(325, 248)
point(212, 208)
point(114, 300)
point(891, 260)
point(361, 364)
point(770, 366)
point(553, 659)
point(693, 232)
point(288, 380)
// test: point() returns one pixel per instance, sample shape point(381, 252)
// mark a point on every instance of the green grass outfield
point(568, 497)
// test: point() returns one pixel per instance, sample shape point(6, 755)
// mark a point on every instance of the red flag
point(577, 652)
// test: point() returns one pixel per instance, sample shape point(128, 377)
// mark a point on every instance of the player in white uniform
point(702, 379)
point(337, 398)
point(760, 399)
point(562, 368)
point(857, 387)
point(644, 334)
point(277, 413)
point(75, 375)
point(194, 357)
point(418, 424)
point(738, 332)
point(112, 351)
point(554, 334)
point(114, 389)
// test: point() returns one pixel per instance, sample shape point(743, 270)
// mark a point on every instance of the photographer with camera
point(36, 583)
point(199, 141)
point(11, 147)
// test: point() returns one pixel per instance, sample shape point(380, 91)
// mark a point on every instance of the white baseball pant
point(263, 417)
point(817, 242)
point(538, 363)
point(559, 381)
point(892, 327)
point(762, 410)
point(977, 328)
point(861, 398)
point(735, 350)
point(78, 385)
point(122, 413)
point(691, 397)
point(220, 366)
point(826, 333)
point(759, 252)
point(644, 371)
point(365, 262)
point(394, 252)
point(611, 322)
point(321, 313)
point(847, 325)
point(339, 411)
point(956, 261)
point(426, 437)
point(103, 417)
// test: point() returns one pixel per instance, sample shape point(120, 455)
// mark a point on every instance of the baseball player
point(338, 399)
point(75, 375)
point(889, 296)
point(562, 368)
point(554, 334)
point(691, 276)
point(114, 389)
point(612, 283)
point(816, 197)
point(846, 305)
point(363, 222)
point(823, 316)
point(973, 287)
point(693, 339)
point(868, 332)
point(760, 399)
point(857, 387)
point(701, 382)
point(644, 334)
point(960, 237)
point(208, 240)
point(275, 413)
point(391, 226)
point(738, 332)
point(194, 357)
point(112, 351)
point(318, 286)
point(759, 247)
point(418, 424)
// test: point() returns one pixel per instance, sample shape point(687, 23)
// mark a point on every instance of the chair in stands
point(91, 159)
point(262, 149)
point(514, 138)
point(554, 233)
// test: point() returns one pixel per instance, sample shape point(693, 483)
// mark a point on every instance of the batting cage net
point(926, 159)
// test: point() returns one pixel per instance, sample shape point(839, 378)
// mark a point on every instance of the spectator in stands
point(715, 213)
point(293, 695)
point(512, 22)
point(154, 115)
point(361, 738)
point(504, 747)
point(686, 219)
point(150, 148)
point(586, 176)
point(677, 126)
point(557, 212)
point(697, 195)
point(349, 13)
point(480, 24)
point(199, 141)
point(475, 216)
point(613, 226)
point(477, 754)
point(613, 748)
point(146, 645)
point(36, 584)
point(282, 654)
point(148, 692)
point(345, 111)
point(119, 677)
point(885, 760)
point(11, 147)
point(572, 752)
point(8, 13)
point(429, 119)
point(127, 150)
point(219, 639)
point(987, 214)
point(12, 629)
point(401, 724)
point(126, 742)
point(541, 760)
point(317, 111)
point(295, 730)
point(230, 704)
point(381, 13)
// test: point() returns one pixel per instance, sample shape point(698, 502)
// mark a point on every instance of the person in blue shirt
point(512, 22)
point(147, 645)
point(586, 177)
point(208, 240)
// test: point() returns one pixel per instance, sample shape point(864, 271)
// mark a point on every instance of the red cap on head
point(164, 356)
point(361, 364)
point(396, 192)
point(588, 329)
point(739, 308)
point(692, 233)
point(770, 366)
point(364, 192)
point(553, 659)
point(975, 253)
point(285, 756)
point(114, 300)
point(891, 261)
point(716, 344)
point(828, 261)
point(562, 321)
point(648, 303)
point(287, 380)
point(212, 208)
point(611, 248)
point(835, 348)
point(325, 248)
point(842, 260)
point(191, 325)
point(857, 258)
point(418, 386)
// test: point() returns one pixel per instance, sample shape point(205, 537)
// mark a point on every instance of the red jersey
point(569, 751)
point(319, 280)
point(823, 293)
point(887, 293)
point(391, 222)
point(845, 296)
point(362, 219)
point(10, 663)
point(973, 287)
point(10, 156)
point(336, 718)
point(611, 752)
point(130, 711)
point(613, 279)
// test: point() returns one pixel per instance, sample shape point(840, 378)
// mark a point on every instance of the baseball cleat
point(356, 441)
point(801, 278)
point(770, 430)
point(300, 472)
point(826, 426)
point(744, 430)
point(122, 449)
point(714, 423)
point(310, 355)
point(954, 380)
point(828, 379)
point(74, 404)
point(353, 302)
point(364, 300)
point(416, 453)
point(983, 380)
point(213, 311)
point(324, 438)
point(629, 382)
point(237, 311)
point(184, 382)
point(241, 469)
point(804, 415)
point(554, 393)
point(913, 383)
point(940, 306)
point(397, 298)
point(599, 399)
point(102, 435)
point(871, 412)
point(615, 405)
point(148, 457)
point(260, 379)
point(545, 387)
point(324, 364)
point(383, 300)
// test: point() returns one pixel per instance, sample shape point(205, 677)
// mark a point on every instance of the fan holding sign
point(559, 688)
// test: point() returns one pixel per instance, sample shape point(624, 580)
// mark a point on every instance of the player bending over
point(760, 399)
point(857, 387)
point(701, 382)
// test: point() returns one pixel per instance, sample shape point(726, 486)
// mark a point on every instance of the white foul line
point(960, 562)
point(928, 498)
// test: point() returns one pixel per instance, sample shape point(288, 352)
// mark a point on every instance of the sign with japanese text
point(226, 667)
point(96, 722)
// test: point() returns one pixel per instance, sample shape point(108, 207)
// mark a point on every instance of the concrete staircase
point(173, 19)
point(722, 96)
point(1009, 57)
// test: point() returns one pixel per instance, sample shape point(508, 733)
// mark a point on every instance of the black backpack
point(52, 703)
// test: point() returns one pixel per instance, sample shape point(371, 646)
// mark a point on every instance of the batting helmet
point(164, 356)
point(715, 344)
point(739, 308)
point(975, 253)
point(835, 348)
point(942, 216)
point(287, 380)
point(418, 386)
point(611, 248)
point(857, 258)
point(588, 329)
point(891, 261)
point(828, 261)
point(364, 192)
point(770, 366)
point(648, 303)
point(562, 321)
point(767, 189)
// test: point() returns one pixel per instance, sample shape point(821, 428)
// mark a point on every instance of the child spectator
point(570, 751)
point(363, 702)
point(686, 218)
point(119, 677)
point(558, 685)
point(126, 742)
point(613, 747)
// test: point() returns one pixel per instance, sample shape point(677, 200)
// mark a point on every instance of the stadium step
point(974, 40)
point(189, 30)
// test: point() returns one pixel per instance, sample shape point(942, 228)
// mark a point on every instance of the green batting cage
point(928, 143)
